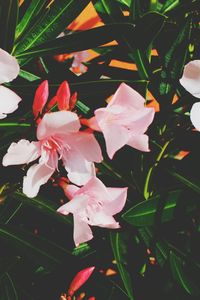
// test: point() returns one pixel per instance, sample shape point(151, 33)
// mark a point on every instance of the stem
point(15, 125)
point(150, 172)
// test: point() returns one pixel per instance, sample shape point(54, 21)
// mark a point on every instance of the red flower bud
point(40, 99)
point(73, 101)
point(63, 95)
point(80, 278)
point(51, 103)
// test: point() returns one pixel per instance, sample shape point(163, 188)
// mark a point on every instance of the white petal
point(9, 67)
point(191, 78)
point(195, 115)
point(36, 176)
point(8, 100)
point(22, 152)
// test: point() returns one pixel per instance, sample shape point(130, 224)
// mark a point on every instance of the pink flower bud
point(40, 99)
point(51, 103)
point(63, 96)
point(73, 101)
point(80, 278)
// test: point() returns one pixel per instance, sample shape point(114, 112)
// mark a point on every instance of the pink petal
point(22, 152)
point(87, 145)
point(74, 206)
point(63, 96)
point(82, 231)
point(41, 97)
point(79, 169)
point(9, 67)
point(141, 124)
point(139, 142)
point(102, 220)
point(195, 115)
point(191, 78)
point(116, 137)
point(119, 196)
point(95, 189)
point(36, 176)
point(55, 123)
point(8, 101)
point(126, 96)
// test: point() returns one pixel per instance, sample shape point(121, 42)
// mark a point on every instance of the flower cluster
point(61, 140)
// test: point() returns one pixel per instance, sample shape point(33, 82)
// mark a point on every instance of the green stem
point(146, 192)
point(15, 125)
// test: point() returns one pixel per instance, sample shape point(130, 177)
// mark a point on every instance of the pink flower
point(58, 138)
point(124, 121)
point(80, 57)
point(191, 82)
point(9, 70)
point(93, 204)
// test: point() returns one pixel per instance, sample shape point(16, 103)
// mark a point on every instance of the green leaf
point(79, 41)
point(28, 76)
point(144, 213)
point(57, 17)
point(119, 248)
point(8, 22)
point(36, 248)
point(174, 59)
point(33, 10)
point(180, 275)
point(169, 5)
point(7, 288)
point(187, 182)
point(46, 207)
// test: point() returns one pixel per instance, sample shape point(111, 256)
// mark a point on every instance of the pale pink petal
point(8, 100)
point(36, 176)
point(195, 115)
point(56, 123)
point(95, 189)
point(82, 231)
point(22, 152)
point(92, 123)
point(115, 137)
point(70, 190)
point(102, 220)
point(75, 205)
point(126, 96)
point(79, 169)
point(87, 145)
point(191, 78)
point(119, 196)
point(9, 67)
point(141, 124)
point(139, 142)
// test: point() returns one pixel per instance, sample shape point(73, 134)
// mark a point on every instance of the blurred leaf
point(45, 206)
point(8, 22)
point(174, 60)
point(180, 275)
point(36, 248)
point(187, 182)
point(144, 213)
point(7, 288)
point(57, 17)
point(33, 10)
point(119, 248)
point(169, 5)
point(79, 41)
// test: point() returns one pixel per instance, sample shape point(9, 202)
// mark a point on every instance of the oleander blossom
point(9, 70)
point(58, 138)
point(124, 121)
point(93, 205)
point(191, 82)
